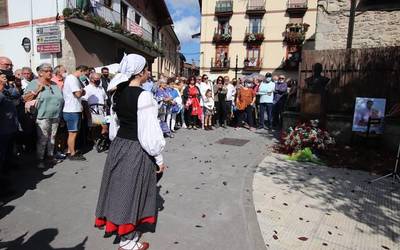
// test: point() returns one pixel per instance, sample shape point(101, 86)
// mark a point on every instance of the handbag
point(31, 107)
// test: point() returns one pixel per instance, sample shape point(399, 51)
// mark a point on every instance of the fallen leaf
point(276, 232)
point(259, 211)
point(76, 172)
point(197, 188)
point(203, 216)
point(83, 187)
point(275, 237)
point(245, 166)
point(198, 226)
point(306, 206)
point(303, 238)
point(385, 247)
point(329, 232)
point(225, 183)
point(325, 244)
point(300, 218)
point(285, 204)
point(167, 192)
point(176, 242)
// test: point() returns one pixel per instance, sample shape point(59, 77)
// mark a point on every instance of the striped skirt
point(128, 191)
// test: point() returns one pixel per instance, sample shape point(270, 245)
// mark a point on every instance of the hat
point(268, 75)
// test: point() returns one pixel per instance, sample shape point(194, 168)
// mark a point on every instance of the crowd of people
point(52, 113)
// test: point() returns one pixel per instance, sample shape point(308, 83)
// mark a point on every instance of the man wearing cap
point(266, 93)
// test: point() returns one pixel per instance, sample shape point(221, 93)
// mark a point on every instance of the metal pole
point(351, 24)
point(236, 67)
point(32, 54)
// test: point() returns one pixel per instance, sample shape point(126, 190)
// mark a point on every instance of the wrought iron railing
point(220, 63)
point(297, 4)
point(252, 63)
point(222, 6)
point(256, 5)
point(254, 34)
point(114, 17)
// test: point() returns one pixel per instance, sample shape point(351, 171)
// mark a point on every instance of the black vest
point(126, 102)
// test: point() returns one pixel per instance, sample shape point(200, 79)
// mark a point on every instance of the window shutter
point(3, 13)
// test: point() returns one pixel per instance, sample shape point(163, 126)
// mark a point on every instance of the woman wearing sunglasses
point(46, 101)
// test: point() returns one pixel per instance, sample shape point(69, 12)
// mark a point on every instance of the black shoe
point(77, 157)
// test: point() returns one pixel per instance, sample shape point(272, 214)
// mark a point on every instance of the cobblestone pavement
point(305, 206)
point(205, 199)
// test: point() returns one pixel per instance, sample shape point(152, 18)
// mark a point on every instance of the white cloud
point(186, 27)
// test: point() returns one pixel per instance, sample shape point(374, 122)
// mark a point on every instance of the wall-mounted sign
point(26, 43)
point(49, 48)
point(43, 39)
point(48, 39)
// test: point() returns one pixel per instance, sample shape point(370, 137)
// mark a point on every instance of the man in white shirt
point(27, 77)
point(230, 96)
point(266, 92)
point(72, 112)
point(204, 86)
point(96, 98)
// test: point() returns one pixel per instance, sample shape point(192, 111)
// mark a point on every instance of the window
point(253, 56)
point(255, 25)
point(293, 53)
point(137, 18)
point(3, 13)
point(108, 3)
point(223, 27)
point(153, 34)
point(221, 56)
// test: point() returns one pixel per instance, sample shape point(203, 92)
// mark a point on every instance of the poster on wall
point(369, 109)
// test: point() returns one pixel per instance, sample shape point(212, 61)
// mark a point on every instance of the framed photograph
point(369, 112)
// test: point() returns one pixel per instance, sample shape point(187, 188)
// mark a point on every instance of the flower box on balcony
point(254, 37)
point(222, 38)
point(296, 33)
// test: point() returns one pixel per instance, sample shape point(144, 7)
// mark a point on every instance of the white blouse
point(150, 136)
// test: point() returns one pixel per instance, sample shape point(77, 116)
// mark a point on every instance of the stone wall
point(372, 28)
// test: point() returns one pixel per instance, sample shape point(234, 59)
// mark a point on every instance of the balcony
point(297, 7)
point(222, 36)
point(111, 22)
point(256, 7)
point(296, 33)
point(252, 64)
point(254, 35)
point(224, 8)
point(220, 65)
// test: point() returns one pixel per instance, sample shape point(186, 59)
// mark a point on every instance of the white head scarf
point(131, 64)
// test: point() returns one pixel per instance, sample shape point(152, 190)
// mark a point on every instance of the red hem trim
point(123, 229)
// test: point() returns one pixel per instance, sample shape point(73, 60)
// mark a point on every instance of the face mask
point(269, 79)
point(82, 78)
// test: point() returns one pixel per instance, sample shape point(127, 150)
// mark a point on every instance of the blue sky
point(186, 17)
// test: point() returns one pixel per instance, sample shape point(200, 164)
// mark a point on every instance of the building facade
point(72, 32)
point(376, 24)
point(243, 37)
point(169, 64)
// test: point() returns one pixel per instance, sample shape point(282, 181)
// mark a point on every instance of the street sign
point(49, 48)
point(44, 39)
point(48, 39)
point(47, 30)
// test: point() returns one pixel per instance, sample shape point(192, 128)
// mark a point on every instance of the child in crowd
point(209, 106)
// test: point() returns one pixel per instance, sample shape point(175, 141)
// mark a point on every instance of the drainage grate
point(233, 141)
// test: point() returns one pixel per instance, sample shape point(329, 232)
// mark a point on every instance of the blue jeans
point(265, 107)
